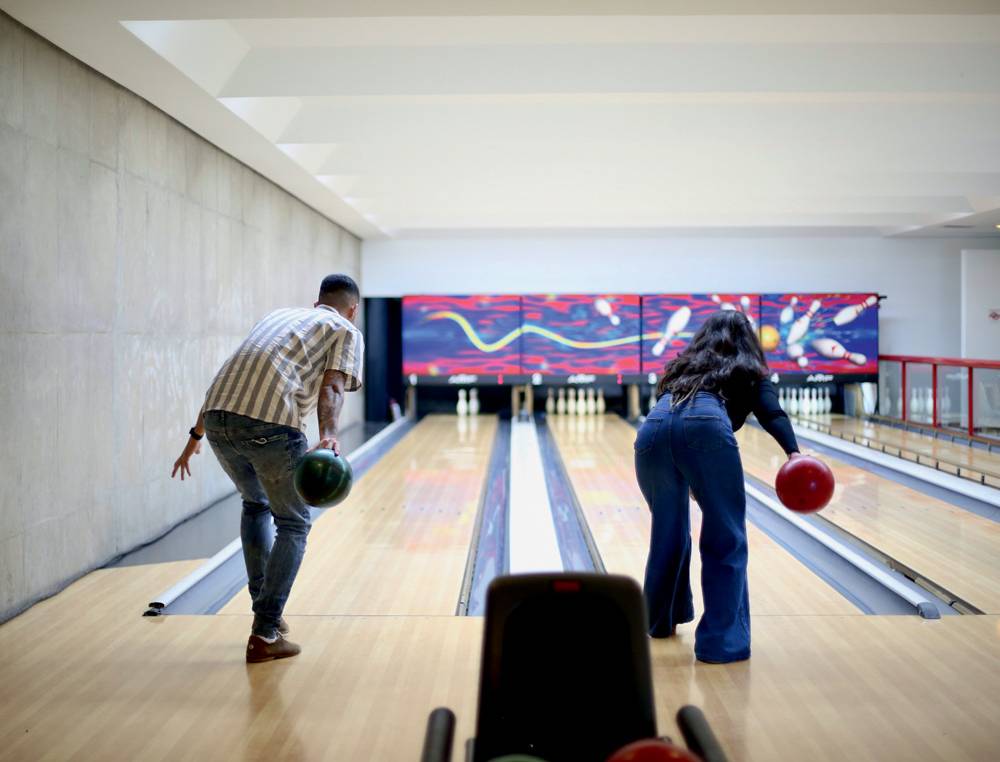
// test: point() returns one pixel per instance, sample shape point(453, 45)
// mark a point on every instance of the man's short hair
point(339, 287)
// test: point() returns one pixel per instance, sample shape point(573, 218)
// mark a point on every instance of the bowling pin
point(581, 403)
point(603, 307)
point(745, 306)
point(789, 312)
point(835, 351)
point(474, 402)
point(793, 401)
point(916, 404)
point(795, 351)
point(550, 403)
point(801, 326)
point(571, 402)
point(899, 403)
point(462, 408)
point(807, 405)
point(677, 323)
point(848, 314)
point(781, 398)
point(724, 306)
point(602, 405)
point(591, 402)
point(929, 406)
point(561, 403)
point(946, 402)
point(827, 401)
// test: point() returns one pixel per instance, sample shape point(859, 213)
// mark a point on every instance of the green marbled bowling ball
point(323, 479)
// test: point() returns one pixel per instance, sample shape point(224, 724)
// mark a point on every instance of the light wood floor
point(399, 543)
point(981, 462)
point(950, 546)
point(598, 457)
point(84, 677)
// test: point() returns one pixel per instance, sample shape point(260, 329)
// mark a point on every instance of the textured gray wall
point(134, 256)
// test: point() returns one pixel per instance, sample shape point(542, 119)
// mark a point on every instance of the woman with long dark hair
point(687, 444)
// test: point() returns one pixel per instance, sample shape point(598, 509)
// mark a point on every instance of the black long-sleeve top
point(761, 399)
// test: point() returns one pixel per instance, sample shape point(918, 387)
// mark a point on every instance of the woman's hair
point(725, 352)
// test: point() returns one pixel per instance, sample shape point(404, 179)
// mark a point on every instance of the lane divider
point(534, 545)
point(922, 604)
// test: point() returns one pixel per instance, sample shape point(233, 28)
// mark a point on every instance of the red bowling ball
point(652, 750)
point(804, 484)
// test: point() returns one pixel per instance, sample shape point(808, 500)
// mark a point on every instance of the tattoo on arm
point(331, 400)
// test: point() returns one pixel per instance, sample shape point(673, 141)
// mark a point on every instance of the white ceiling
point(421, 117)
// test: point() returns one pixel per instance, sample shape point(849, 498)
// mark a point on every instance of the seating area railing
point(942, 393)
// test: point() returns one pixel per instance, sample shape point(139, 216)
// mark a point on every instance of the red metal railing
point(930, 411)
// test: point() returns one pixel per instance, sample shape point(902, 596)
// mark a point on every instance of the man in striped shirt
point(293, 362)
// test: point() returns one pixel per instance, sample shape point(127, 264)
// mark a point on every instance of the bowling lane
point(954, 548)
point(929, 448)
point(597, 453)
point(398, 545)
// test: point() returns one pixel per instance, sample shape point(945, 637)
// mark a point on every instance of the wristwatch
point(195, 435)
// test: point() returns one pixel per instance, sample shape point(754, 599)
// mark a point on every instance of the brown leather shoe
point(283, 627)
point(259, 650)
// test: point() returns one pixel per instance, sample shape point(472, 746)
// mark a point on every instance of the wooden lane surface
point(87, 678)
point(399, 543)
point(952, 547)
point(980, 461)
point(178, 688)
point(845, 687)
point(598, 457)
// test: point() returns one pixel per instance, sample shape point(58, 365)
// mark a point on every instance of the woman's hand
point(794, 455)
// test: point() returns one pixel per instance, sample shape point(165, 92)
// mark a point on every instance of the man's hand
point(182, 464)
point(329, 443)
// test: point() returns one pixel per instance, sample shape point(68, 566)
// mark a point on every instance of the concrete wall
point(920, 276)
point(980, 302)
point(134, 256)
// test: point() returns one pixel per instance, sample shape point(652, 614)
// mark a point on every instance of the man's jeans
point(260, 458)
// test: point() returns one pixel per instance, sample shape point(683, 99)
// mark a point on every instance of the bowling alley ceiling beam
point(613, 68)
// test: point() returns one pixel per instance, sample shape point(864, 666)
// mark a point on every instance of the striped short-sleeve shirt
point(275, 374)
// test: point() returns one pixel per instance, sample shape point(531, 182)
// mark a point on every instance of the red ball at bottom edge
point(652, 750)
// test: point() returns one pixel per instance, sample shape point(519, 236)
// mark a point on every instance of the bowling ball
point(769, 338)
point(804, 484)
point(323, 478)
point(652, 750)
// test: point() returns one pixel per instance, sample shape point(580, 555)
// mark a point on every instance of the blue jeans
point(692, 447)
point(260, 458)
